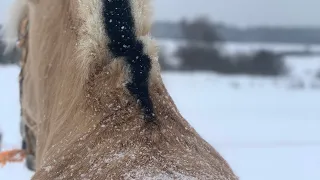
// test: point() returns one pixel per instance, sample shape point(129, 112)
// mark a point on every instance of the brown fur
point(88, 125)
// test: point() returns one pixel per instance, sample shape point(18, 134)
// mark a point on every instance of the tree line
point(203, 51)
point(300, 35)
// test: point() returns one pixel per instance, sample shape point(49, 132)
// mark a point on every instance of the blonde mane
point(9, 31)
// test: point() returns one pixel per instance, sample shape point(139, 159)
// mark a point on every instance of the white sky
point(239, 12)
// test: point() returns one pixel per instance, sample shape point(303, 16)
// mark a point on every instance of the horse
point(93, 103)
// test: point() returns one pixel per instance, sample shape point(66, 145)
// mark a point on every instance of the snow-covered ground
point(266, 128)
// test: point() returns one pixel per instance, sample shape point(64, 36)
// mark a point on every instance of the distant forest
point(299, 35)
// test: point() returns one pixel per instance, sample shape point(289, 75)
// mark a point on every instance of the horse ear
point(13, 17)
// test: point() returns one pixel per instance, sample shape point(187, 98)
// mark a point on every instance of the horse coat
point(93, 96)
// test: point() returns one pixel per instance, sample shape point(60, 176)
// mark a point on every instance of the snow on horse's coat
point(92, 86)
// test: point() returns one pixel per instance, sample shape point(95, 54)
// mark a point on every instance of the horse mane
point(9, 31)
point(102, 35)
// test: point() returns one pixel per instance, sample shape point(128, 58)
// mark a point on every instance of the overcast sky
point(240, 12)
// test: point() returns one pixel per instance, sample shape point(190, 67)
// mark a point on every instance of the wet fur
point(89, 124)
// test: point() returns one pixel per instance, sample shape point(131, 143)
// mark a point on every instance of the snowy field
point(266, 128)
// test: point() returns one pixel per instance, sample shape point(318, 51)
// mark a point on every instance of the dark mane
point(120, 29)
